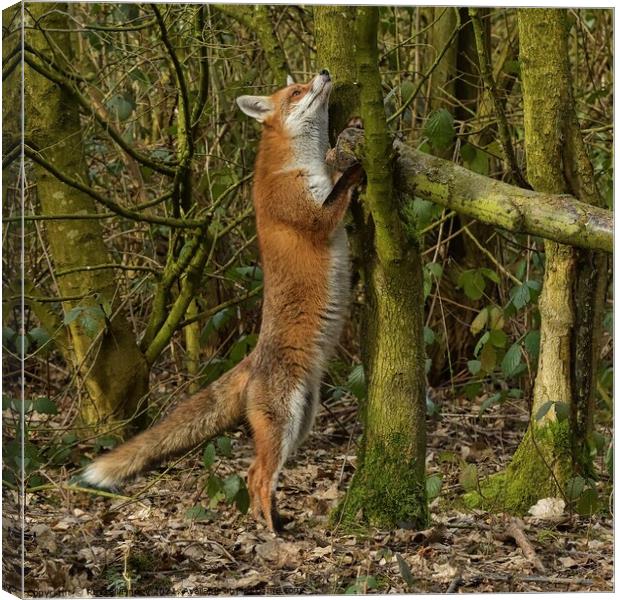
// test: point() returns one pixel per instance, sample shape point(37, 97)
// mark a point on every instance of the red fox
point(304, 255)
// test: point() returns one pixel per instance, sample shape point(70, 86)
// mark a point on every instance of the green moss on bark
point(387, 489)
point(537, 467)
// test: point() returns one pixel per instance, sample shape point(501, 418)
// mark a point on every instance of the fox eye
point(295, 93)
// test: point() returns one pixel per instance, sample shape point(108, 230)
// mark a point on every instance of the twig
point(455, 584)
point(515, 531)
point(113, 206)
point(487, 77)
point(428, 73)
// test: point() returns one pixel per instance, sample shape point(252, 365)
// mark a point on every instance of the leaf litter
point(86, 545)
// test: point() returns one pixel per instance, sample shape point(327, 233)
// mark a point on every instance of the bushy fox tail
point(202, 416)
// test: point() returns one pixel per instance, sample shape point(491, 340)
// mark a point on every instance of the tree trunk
point(105, 354)
point(335, 52)
point(388, 487)
point(555, 448)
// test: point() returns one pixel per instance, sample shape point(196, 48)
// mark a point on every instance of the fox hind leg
point(275, 428)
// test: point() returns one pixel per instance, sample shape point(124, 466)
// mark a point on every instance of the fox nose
point(325, 74)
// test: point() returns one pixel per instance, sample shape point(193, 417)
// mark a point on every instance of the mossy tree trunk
point(388, 488)
point(333, 27)
point(105, 353)
point(571, 303)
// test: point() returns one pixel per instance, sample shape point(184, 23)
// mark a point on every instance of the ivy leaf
point(439, 128)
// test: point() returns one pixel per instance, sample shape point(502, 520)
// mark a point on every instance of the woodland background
point(475, 374)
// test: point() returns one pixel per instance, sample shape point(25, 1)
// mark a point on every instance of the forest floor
point(83, 544)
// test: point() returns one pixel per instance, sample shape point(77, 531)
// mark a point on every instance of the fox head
point(296, 110)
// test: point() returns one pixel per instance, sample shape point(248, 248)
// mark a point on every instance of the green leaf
point(208, 456)
point(473, 284)
point(498, 338)
point(488, 358)
point(215, 323)
point(562, 410)
point(232, 484)
point(490, 401)
point(8, 336)
point(468, 478)
point(479, 322)
point(588, 502)
point(224, 446)
point(609, 460)
point(199, 513)
point(22, 345)
point(120, 107)
point(214, 486)
point(511, 360)
point(481, 342)
point(490, 274)
point(472, 389)
point(356, 382)
point(520, 296)
point(242, 500)
point(474, 366)
point(433, 486)
point(439, 128)
point(543, 410)
point(531, 343)
point(45, 406)
point(404, 569)
point(429, 335)
point(574, 487)
point(435, 269)
point(39, 336)
point(468, 153)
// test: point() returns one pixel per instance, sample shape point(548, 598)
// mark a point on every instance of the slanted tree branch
point(561, 218)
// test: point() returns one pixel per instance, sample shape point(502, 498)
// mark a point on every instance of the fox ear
point(258, 107)
point(289, 80)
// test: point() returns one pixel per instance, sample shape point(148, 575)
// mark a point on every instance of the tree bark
point(335, 52)
point(571, 303)
point(114, 370)
point(554, 216)
point(388, 488)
